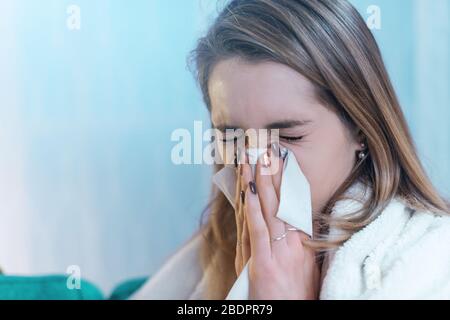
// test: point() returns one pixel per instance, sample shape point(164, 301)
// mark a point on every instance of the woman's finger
point(245, 178)
point(256, 225)
point(257, 228)
point(239, 221)
point(268, 198)
point(246, 250)
point(277, 167)
point(295, 239)
point(244, 171)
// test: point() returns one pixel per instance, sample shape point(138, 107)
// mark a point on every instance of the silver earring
point(362, 154)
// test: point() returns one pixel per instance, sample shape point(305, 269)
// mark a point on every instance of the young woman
point(313, 70)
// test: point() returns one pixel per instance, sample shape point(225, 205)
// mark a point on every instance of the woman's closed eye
point(291, 139)
point(284, 138)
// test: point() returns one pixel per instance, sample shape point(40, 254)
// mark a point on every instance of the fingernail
point(266, 160)
point(284, 154)
point(276, 150)
point(243, 196)
point(252, 186)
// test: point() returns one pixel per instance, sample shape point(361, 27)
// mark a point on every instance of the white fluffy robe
point(400, 255)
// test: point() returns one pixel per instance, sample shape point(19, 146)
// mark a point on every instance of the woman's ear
point(361, 140)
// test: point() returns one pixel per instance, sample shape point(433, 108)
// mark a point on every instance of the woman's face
point(269, 95)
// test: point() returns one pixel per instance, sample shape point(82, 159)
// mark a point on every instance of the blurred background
point(88, 107)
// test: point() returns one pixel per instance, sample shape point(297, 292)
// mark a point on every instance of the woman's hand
point(243, 240)
point(282, 269)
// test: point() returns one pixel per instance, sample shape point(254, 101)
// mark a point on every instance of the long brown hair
point(329, 43)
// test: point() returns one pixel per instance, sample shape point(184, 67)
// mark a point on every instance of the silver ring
point(280, 237)
point(292, 229)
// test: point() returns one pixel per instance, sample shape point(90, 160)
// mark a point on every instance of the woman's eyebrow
point(286, 124)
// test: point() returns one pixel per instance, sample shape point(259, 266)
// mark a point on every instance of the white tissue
point(294, 207)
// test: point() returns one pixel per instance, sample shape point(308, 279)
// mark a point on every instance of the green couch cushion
point(124, 290)
point(51, 287)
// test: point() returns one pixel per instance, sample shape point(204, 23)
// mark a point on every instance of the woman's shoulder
point(417, 264)
point(402, 254)
point(179, 275)
point(422, 231)
point(425, 227)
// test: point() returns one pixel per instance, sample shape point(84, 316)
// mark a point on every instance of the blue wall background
point(86, 118)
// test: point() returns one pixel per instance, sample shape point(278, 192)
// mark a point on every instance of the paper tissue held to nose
point(294, 207)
